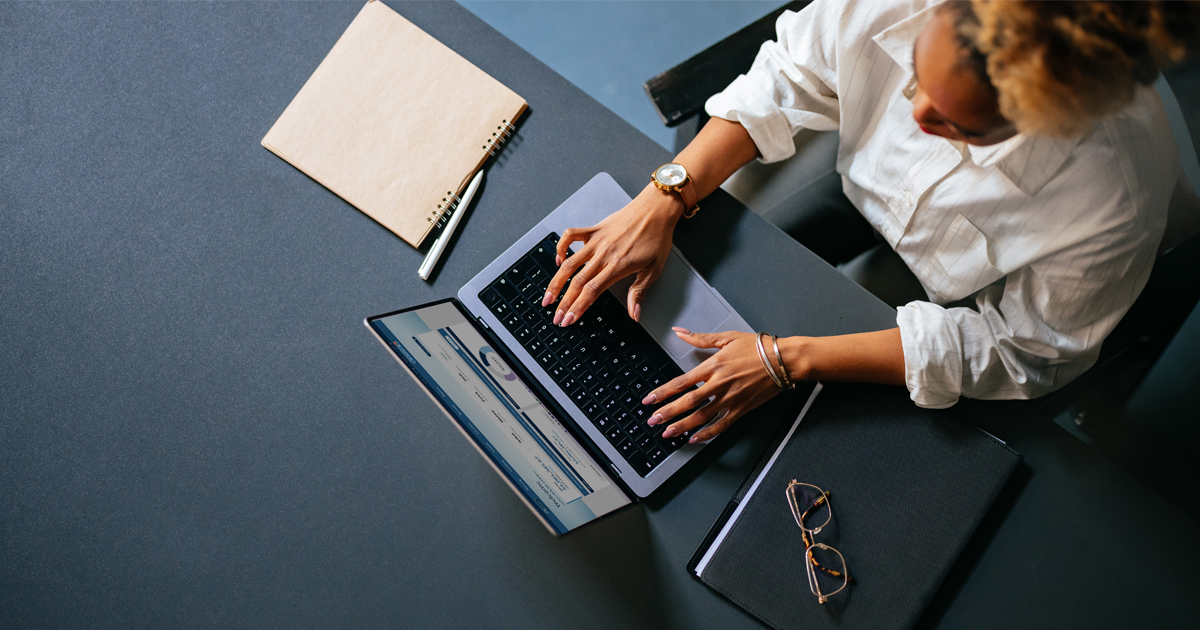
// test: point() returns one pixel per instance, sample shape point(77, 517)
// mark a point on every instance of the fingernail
point(558, 317)
point(669, 433)
point(650, 400)
point(694, 439)
point(637, 312)
point(568, 320)
point(547, 299)
point(682, 331)
point(557, 260)
point(655, 419)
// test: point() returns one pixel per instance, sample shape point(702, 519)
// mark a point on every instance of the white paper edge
point(712, 549)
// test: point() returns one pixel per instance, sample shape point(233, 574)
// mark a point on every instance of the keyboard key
point(532, 292)
point(523, 335)
point(627, 448)
point(501, 310)
point(614, 434)
point(547, 359)
point(646, 443)
point(534, 346)
point(515, 275)
point(656, 454)
point(489, 297)
point(576, 367)
point(572, 336)
point(640, 463)
point(635, 432)
point(506, 290)
point(512, 321)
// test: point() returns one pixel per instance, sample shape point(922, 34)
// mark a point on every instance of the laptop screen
point(529, 446)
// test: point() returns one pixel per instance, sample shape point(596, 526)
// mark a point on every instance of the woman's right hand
point(634, 240)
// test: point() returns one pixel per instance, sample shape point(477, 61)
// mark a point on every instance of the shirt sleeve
point(1031, 336)
point(791, 85)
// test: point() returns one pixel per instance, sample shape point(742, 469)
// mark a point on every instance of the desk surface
point(196, 430)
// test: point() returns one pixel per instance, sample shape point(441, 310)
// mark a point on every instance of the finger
point(564, 273)
point(567, 312)
point(584, 291)
point(680, 406)
point(720, 426)
point(677, 385)
point(693, 421)
point(633, 301)
point(703, 340)
point(571, 235)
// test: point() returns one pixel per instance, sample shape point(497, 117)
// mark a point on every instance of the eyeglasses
point(824, 565)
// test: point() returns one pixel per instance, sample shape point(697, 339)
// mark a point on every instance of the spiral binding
point(492, 145)
point(499, 137)
point(449, 203)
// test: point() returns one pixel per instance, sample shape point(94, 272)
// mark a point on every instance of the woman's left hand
point(734, 378)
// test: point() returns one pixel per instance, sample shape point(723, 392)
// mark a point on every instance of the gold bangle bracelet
point(762, 354)
point(782, 368)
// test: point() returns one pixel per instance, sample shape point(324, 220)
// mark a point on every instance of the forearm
point(874, 357)
point(718, 151)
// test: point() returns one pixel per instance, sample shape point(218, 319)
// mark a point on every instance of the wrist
point(798, 357)
point(663, 203)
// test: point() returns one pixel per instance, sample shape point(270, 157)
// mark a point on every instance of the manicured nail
point(669, 433)
point(694, 439)
point(547, 299)
point(655, 419)
point(637, 312)
point(682, 331)
point(650, 399)
point(557, 260)
point(558, 317)
point(568, 320)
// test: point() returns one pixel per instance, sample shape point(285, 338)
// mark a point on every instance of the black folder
point(908, 486)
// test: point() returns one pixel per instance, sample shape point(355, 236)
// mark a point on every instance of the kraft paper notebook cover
point(908, 487)
point(394, 122)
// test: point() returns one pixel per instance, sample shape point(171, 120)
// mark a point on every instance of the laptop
point(557, 411)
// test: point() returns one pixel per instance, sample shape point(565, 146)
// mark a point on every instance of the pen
point(439, 245)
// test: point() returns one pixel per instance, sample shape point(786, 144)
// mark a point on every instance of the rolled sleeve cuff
point(746, 103)
point(932, 354)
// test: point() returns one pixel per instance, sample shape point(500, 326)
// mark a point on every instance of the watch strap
point(687, 192)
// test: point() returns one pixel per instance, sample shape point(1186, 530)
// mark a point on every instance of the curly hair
point(1059, 67)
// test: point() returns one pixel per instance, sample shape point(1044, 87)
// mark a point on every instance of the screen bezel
point(533, 384)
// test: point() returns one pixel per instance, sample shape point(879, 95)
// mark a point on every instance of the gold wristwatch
point(674, 177)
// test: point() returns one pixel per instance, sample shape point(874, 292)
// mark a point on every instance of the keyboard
point(605, 362)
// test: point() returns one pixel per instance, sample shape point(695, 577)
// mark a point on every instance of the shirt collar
point(897, 40)
point(1029, 162)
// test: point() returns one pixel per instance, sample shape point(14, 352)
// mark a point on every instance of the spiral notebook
point(395, 123)
point(908, 487)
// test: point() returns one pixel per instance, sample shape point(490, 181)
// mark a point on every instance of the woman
point(982, 142)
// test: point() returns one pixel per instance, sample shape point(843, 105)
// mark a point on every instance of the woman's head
point(988, 69)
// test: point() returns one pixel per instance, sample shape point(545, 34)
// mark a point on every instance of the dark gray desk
point(196, 430)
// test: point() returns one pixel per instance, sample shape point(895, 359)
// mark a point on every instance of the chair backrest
point(1183, 213)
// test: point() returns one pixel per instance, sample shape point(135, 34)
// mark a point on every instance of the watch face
point(670, 174)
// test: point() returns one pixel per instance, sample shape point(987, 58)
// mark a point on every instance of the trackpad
point(678, 298)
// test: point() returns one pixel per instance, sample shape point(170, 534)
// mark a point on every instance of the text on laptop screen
point(497, 409)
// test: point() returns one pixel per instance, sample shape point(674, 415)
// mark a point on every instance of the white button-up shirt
point(1072, 226)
